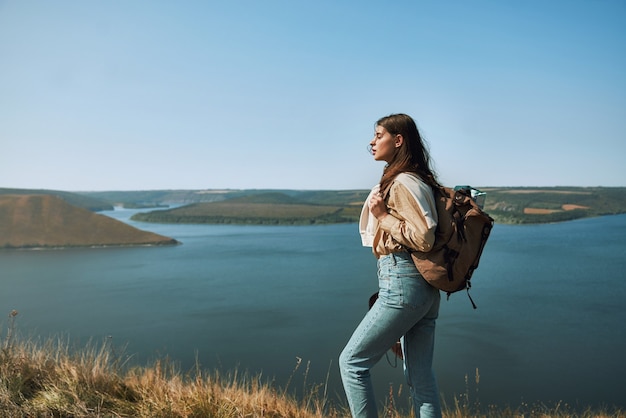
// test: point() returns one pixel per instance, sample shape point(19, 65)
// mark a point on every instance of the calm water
point(550, 324)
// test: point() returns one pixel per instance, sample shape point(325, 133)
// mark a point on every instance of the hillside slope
point(271, 208)
point(525, 205)
point(29, 221)
point(94, 204)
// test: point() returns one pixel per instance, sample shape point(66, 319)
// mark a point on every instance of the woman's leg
point(369, 342)
point(418, 348)
point(403, 299)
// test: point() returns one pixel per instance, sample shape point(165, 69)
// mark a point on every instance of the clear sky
point(136, 95)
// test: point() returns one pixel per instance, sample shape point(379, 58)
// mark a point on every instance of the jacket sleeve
point(406, 223)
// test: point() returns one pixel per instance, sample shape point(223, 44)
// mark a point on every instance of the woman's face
point(384, 144)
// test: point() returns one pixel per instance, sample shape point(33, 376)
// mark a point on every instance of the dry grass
point(50, 380)
point(538, 211)
point(574, 207)
point(541, 211)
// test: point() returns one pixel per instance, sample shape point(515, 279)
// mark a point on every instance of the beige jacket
point(411, 222)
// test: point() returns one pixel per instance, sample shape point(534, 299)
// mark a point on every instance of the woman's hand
point(377, 206)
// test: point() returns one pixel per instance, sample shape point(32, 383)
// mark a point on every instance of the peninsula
point(48, 221)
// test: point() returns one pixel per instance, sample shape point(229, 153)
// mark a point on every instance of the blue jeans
point(406, 309)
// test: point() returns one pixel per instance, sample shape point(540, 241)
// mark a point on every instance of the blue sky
point(136, 95)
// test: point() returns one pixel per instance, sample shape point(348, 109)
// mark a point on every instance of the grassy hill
point(48, 221)
point(553, 204)
point(505, 204)
point(269, 208)
point(91, 203)
point(146, 198)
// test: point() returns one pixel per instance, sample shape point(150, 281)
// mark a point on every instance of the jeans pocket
point(401, 285)
point(390, 290)
point(417, 293)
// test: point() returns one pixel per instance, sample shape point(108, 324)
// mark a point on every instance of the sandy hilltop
point(48, 221)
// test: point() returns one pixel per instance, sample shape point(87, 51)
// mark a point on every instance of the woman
point(398, 214)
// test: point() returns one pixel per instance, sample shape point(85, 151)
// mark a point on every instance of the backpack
point(462, 232)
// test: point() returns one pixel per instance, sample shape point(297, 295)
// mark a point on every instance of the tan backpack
point(462, 232)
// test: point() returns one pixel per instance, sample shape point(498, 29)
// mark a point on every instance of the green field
point(557, 204)
point(270, 208)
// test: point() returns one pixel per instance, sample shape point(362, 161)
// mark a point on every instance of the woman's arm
point(403, 219)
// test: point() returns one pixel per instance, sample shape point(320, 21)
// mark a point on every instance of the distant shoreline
point(70, 247)
point(507, 205)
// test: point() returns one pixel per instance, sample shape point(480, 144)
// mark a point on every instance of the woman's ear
point(399, 140)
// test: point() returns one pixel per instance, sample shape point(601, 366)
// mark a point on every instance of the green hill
point(146, 198)
point(521, 205)
point(272, 208)
point(48, 221)
point(510, 205)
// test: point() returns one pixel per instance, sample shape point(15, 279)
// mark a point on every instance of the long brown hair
point(412, 156)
